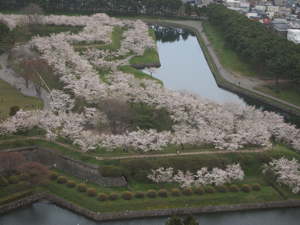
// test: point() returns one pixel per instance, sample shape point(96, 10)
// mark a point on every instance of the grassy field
point(11, 96)
point(287, 95)
point(228, 58)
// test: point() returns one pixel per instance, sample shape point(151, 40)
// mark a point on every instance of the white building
point(260, 7)
point(272, 8)
point(293, 35)
point(232, 3)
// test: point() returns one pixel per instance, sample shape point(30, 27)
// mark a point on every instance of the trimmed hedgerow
point(245, 188)
point(256, 187)
point(187, 191)
point(62, 180)
point(84, 157)
point(13, 180)
point(91, 192)
point(163, 193)
point(102, 197)
point(151, 194)
point(222, 189)
point(176, 192)
point(3, 182)
point(139, 194)
point(52, 175)
point(113, 196)
point(233, 188)
point(81, 188)
point(210, 189)
point(127, 195)
point(71, 184)
point(199, 190)
point(24, 177)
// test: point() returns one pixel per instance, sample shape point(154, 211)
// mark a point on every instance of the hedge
point(113, 196)
point(199, 190)
point(210, 190)
point(256, 187)
point(91, 192)
point(139, 194)
point(127, 195)
point(233, 188)
point(163, 193)
point(13, 180)
point(151, 194)
point(62, 180)
point(279, 189)
point(3, 182)
point(71, 184)
point(175, 192)
point(222, 189)
point(52, 175)
point(187, 191)
point(15, 196)
point(245, 188)
point(102, 197)
point(82, 188)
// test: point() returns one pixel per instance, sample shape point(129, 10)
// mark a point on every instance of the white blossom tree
point(161, 176)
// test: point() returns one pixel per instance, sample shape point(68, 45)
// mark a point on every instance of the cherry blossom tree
point(185, 179)
point(161, 176)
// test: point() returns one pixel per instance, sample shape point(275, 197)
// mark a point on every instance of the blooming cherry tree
point(161, 176)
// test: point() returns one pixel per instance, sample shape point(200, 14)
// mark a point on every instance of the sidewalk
point(12, 78)
point(243, 82)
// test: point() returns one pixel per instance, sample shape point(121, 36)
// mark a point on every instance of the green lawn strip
point(11, 97)
point(137, 73)
point(290, 96)
point(1, 67)
point(116, 39)
point(227, 57)
point(266, 194)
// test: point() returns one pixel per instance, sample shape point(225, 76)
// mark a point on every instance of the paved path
point(12, 78)
point(246, 83)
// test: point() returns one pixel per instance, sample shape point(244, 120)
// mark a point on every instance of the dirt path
point(244, 82)
point(144, 156)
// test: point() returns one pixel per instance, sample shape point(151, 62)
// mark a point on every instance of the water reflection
point(49, 214)
point(183, 66)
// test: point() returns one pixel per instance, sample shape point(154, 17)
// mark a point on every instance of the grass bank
point(11, 96)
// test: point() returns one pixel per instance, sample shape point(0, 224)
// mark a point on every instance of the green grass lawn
point(11, 96)
point(287, 95)
point(228, 58)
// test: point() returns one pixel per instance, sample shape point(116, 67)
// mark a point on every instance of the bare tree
point(37, 70)
point(119, 116)
point(9, 161)
point(34, 14)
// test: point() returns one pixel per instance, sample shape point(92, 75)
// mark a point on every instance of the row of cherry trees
point(203, 177)
point(196, 120)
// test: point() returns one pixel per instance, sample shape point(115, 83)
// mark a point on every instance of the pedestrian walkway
point(17, 81)
point(243, 82)
point(135, 156)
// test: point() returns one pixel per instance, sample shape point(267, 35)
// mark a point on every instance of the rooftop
point(282, 26)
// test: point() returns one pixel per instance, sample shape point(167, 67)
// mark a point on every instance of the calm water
point(42, 213)
point(183, 67)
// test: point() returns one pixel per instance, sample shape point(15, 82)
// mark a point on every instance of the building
point(281, 29)
point(260, 7)
point(272, 8)
point(245, 5)
point(294, 24)
point(281, 13)
point(232, 3)
point(279, 2)
point(291, 17)
point(272, 23)
point(293, 35)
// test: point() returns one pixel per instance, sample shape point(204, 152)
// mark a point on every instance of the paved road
point(12, 78)
point(246, 83)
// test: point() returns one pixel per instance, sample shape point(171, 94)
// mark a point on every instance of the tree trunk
point(182, 146)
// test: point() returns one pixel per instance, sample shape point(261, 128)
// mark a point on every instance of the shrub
point(264, 158)
point(199, 190)
point(62, 180)
point(110, 171)
point(81, 188)
point(210, 189)
point(71, 184)
point(139, 194)
point(52, 175)
point(24, 177)
point(175, 192)
point(187, 191)
point(256, 187)
point(33, 173)
point(163, 193)
point(141, 176)
point(31, 141)
point(233, 188)
point(91, 192)
point(222, 189)
point(6, 143)
point(106, 161)
point(13, 180)
point(84, 157)
point(102, 197)
point(113, 196)
point(4, 183)
point(245, 188)
point(18, 142)
point(151, 194)
point(127, 195)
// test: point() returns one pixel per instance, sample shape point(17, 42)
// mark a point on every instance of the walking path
point(144, 156)
point(16, 80)
point(244, 82)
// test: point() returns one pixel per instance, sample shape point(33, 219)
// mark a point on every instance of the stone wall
point(150, 213)
point(225, 85)
point(50, 157)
